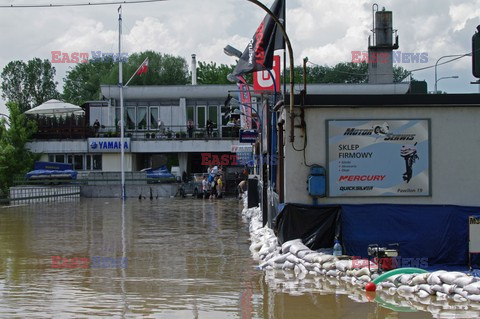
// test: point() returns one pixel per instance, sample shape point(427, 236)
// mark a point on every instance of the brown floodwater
point(164, 258)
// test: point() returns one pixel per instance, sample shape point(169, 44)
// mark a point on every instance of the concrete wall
point(133, 191)
point(111, 162)
point(454, 145)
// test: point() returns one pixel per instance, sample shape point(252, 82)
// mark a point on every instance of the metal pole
point(120, 84)
point(446, 56)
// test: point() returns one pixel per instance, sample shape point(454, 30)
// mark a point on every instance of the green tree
point(210, 73)
point(163, 69)
point(82, 83)
point(28, 84)
point(344, 72)
point(15, 158)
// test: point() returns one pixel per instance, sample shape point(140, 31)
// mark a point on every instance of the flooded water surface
point(165, 258)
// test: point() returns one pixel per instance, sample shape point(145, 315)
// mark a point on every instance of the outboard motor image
point(409, 154)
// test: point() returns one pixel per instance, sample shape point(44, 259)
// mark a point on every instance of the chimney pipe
point(194, 70)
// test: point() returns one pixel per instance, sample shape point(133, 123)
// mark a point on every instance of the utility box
point(316, 181)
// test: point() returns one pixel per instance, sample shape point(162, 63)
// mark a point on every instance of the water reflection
point(186, 259)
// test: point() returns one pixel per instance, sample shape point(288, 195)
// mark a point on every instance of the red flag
point(143, 68)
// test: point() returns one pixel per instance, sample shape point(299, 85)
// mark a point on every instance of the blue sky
point(324, 31)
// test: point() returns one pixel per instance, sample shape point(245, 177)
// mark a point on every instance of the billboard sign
point(248, 136)
point(108, 145)
point(262, 81)
point(378, 157)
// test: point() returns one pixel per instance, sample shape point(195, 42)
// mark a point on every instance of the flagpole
point(120, 84)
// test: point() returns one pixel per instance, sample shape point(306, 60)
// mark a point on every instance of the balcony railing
point(75, 130)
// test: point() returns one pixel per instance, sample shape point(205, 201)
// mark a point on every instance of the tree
point(15, 158)
point(28, 84)
point(344, 72)
point(210, 73)
point(82, 83)
point(163, 69)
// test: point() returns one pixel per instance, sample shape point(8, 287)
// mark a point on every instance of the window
point(130, 118)
point(142, 117)
point(60, 158)
point(51, 158)
point(212, 115)
point(154, 117)
point(78, 162)
point(190, 113)
point(200, 116)
point(97, 162)
point(89, 162)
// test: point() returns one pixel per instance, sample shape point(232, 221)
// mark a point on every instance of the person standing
point(209, 128)
point(96, 127)
point(205, 186)
point(161, 128)
point(219, 187)
point(190, 128)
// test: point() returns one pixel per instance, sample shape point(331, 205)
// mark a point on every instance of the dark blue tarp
point(51, 174)
point(52, 166)
point(161, 172)
point(436, 232)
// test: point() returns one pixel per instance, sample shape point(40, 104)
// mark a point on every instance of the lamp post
point(443, 78)
point(446, 56)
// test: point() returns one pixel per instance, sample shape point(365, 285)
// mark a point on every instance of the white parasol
point(54, 107)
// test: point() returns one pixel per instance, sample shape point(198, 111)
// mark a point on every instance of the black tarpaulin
point(315, 225)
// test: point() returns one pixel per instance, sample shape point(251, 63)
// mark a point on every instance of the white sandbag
point(350, 272)
point(392, 278)
point(463, 281)
point(288, 265)
point(461, 292)
point(449, 277)
point(405, 279)
point(256, 246)
point(317, 269)
point(474, 298)
point(448, 289)
point(311, 257)
point(332, 273)
point(404, 290)
point(441, 295)
point(426, 288)
point(374, 276)
point(293, 259)
point(434, 278)
point(286, 245)
point(459, 298)
point(301, 254)
point(296, 247)
point(392, 290)
point(437, 288)
point(365, 278)
point(329, 265)
point(324, 258)
point(422, 294)
point(343, 265)
point(387, 284)
point(473, 288)
point(420, 279)
point(360, 272)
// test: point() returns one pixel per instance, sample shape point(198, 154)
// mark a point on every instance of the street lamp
point(447, 56)
point(443, 78)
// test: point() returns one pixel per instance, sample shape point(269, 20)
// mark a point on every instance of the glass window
point(51, 158)
point(142, 117)
point(60, 158)
point(97, 162)
point(212, 115)
point(78, 162)
point(130, 118)
point(200, 116)
point(190, 113)
point(89, 162)
point(70, 159)
point(153, 117)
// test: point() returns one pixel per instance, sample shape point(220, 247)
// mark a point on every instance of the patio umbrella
point(54, 107)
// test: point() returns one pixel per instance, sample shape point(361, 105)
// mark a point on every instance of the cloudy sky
point(324, 31)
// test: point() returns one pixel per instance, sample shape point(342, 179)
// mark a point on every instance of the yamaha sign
point(108, 145)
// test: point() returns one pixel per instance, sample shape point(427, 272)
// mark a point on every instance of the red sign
point(262, 81)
